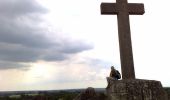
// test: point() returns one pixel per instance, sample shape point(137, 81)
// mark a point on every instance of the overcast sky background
point(65, 44)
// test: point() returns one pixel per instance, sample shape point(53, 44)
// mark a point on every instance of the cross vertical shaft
point(123, 9)
point(125, 44)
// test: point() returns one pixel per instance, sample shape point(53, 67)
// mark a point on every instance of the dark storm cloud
point(23, 39)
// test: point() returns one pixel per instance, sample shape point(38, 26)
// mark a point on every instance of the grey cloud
point(24, 40)
point(23, 35)
point(12, 8)
point(17, 53)
point(66, 50)
point(74, 46)
point(5, 65)
point(23, 53)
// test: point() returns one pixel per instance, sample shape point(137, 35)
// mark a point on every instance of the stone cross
point(123, 9)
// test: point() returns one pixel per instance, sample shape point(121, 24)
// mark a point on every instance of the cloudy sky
point(63, 44)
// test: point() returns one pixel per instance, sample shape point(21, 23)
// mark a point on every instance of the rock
point(168, 96)
point(90, 94)
point(136, 90)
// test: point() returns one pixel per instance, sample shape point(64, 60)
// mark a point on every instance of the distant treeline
point(61, 95)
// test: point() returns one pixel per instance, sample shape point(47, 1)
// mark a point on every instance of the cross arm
point(113, 8)
point(136, 8)
point(109, 8)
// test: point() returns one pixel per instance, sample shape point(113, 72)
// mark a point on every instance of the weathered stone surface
point(136, 90)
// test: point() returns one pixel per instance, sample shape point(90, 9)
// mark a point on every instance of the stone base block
point(136, 90)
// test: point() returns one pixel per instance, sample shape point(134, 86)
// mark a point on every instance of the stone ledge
point(136, 90)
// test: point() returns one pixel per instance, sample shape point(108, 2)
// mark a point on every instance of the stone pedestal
point(135, 90)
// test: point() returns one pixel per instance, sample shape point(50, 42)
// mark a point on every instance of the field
point(47, 95)
point(40, 95)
